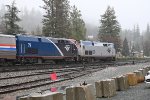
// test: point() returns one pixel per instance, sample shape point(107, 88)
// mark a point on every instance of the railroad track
point(65, 73)
point(17, 68)
point(70, 74)
point(43, 72)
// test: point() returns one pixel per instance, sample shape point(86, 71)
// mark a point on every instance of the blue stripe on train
point(8, 49)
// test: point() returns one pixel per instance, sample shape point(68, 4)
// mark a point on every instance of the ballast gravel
point(138, 92)
point(109, 72)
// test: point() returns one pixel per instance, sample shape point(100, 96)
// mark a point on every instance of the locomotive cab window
point(61, 41)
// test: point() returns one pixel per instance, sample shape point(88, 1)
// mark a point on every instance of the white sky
point(128, 12)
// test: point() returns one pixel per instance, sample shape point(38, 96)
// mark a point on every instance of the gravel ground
point(93, 77)
point(13, 74)
point(26, 79)
point(138, 92)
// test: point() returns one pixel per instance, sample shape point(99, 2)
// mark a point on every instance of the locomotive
point(92, 51)
point(36, 49)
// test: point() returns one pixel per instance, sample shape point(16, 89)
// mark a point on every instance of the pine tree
point(136, 32)
point(11, 19)
point(109, 29)
point(2, 25)
point(56, 20)
point(146, 45)
point(78, 30)
point(125, 50)
point(2, 22)
point(137, 39)
point(147, 32)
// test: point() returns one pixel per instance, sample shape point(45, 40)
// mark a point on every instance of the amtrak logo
point(67, 47)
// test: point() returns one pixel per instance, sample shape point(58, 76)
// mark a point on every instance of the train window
point(90, 52)
point(31, 51)
point(60, 41)
point(86, 52)
point(66, 42)
point(105, 45)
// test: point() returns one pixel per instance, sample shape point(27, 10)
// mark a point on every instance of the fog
point(128, 12)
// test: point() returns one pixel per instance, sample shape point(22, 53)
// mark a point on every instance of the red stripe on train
point(11, 45)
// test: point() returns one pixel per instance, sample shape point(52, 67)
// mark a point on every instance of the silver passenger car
point(7, 47)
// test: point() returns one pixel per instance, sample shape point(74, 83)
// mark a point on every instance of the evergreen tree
point(125, 50)
point(146, 45)
point(11, 19)
point(147, 34)
point(2, 22)
point(56, 20)
point(2, 25)
point(137, 39)
point(110, 28)
point(78, 30)
point(146, 48)
point(136, 32)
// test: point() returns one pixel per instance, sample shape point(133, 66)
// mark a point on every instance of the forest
point(62, 20)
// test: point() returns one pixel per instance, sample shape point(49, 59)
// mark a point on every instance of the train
point(37, 49)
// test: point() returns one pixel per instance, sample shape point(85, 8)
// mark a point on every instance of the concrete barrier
point(83, 92)
point(98, 87)
point(126, 81)
point(109, 89)
point(122, 83)
point(70, 93)
point(116, 83)
point(146, 69)
point(132, 79)
point(113, 87)
point(143, 71)
point(140, 77)
point(57, 96)
point(24, 98)
point(47, 96)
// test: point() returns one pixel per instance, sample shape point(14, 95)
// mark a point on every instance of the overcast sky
point(128, 12)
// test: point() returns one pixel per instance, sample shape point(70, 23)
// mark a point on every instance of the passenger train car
point(7, 48)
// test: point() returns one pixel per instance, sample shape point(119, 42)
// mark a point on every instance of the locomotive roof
point(4, 35)
point(96, 43)
point(58, 38)
point(28, 35)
